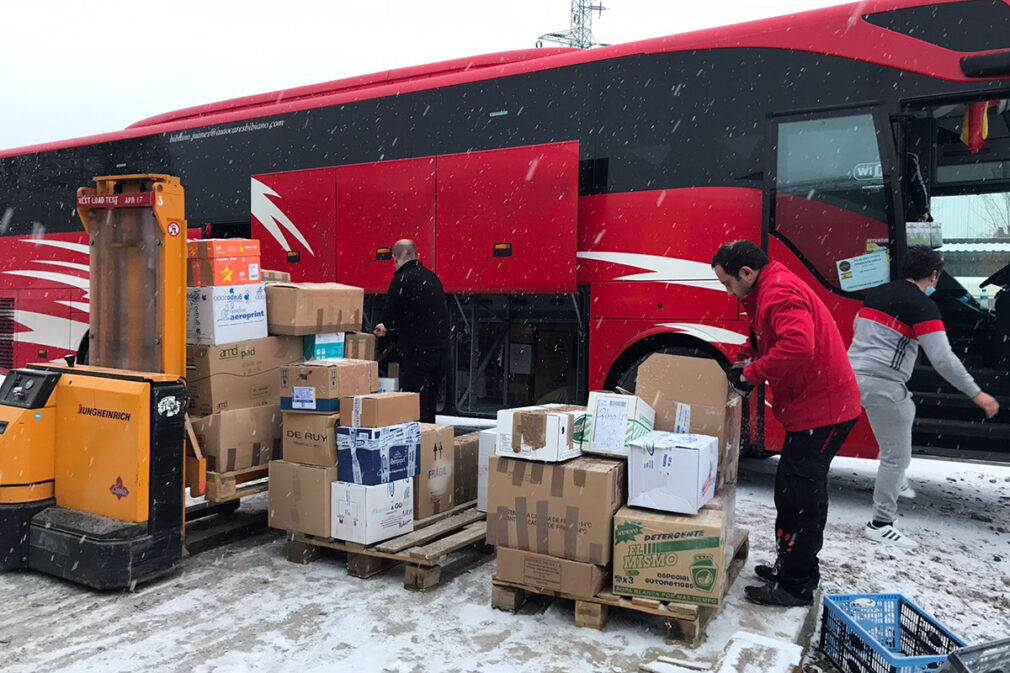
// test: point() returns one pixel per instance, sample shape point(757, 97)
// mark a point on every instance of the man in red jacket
point(796, 349)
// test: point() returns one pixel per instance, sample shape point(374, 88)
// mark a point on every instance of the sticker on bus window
point(864, 271)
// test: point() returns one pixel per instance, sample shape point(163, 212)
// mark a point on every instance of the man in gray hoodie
point(895, 320)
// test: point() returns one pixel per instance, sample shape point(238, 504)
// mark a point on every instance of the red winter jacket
point(800, 353)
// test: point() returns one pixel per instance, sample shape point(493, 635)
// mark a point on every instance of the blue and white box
point(367, 514)
point(672, 472)
point(371, 456)
point(222, 315)
point(323, 346)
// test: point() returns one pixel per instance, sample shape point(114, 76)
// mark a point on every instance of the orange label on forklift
point(221, 271)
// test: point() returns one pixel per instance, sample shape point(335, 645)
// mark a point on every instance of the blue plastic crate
point(883, 633)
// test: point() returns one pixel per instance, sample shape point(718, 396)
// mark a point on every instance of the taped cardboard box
point(672, 472)
point(692, 395)
point(235, 440)
point(485, 450)
point(238, 375)
point(324, 346)
point(299, 497)
point(271, 276)
point(222, 315)
point(223, 271)
point(434, 485)
point(572, 578)
point(613, 421)
point(670, 557)
point(373, 456)
point(360, 346)
point(318, 385)
point(310, 438)
point(559, 509)
point(550, 433)
point(465, 450)
point(205, 248)
point(313, 308)
point(367, 514)
point(377, 410)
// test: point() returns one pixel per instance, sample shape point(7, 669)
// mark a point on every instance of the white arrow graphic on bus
point(272, 217)
point(660, 269)
point(713, 335)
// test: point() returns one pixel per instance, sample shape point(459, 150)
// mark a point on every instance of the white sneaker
point(907, 491)
point(889, 535)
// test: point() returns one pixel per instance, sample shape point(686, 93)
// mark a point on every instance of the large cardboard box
point(324, 346)
point(485, 450)
point(433, 486)
point(695, 391)
point(221, 315)
point(241, 438)
point(373, 456)
point(670, 557)
point(222, 271)
point(672, 472)
point(203, 248)
point(310, 438)
point(318, 385)
point(238, 375)
point(539, 571)
point(465, 449)
point(613, 421)
point(314, 308)
point(360, 346)
point(377, 410)
point(367, 514)
point(559, 509)
point(299, 497)
point(549, 433)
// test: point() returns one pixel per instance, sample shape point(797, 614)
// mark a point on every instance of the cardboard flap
point(696, 381)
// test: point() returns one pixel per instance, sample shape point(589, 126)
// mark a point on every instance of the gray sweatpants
point(890, 410)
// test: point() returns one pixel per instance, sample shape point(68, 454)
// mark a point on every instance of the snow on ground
point(245, 608)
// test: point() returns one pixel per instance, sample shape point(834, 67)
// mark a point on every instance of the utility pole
point(580, 35)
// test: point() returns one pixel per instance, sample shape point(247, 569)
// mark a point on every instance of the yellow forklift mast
point(92, 457)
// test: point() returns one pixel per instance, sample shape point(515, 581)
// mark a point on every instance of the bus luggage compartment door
point(507, 220)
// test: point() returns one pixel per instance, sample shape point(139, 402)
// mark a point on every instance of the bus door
point(829, 204)
point(962, 148)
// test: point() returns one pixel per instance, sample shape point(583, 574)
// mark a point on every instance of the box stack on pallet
point(394, 499)
point(232, 364)
point(318, 315)
point(645, 521)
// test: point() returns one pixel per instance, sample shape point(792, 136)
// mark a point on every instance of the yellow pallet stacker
point(92, 459)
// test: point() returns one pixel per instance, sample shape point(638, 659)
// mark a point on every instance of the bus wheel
point(82, 350)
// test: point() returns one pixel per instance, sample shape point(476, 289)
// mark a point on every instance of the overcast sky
point(71, 68)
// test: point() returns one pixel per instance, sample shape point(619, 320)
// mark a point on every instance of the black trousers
point(423, 372)
point(801, 502)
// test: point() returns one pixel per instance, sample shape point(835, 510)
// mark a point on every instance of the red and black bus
point(571, 199)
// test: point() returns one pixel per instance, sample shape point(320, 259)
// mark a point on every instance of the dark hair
point(920, 262)
point(736, 255)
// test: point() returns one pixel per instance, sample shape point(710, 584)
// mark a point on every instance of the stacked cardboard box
point(231, 365)
point(674, 540)
point(550, 509)
point(378, 464)
point(309, 394)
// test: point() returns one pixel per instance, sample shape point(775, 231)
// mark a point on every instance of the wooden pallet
point(225, 486)
point(428, 553)
point(685, 622)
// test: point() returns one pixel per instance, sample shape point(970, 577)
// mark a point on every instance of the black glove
point(738, 383)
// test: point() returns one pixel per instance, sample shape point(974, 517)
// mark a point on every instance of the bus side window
point(830, 197)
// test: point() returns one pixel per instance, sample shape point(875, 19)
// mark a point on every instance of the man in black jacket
point(417, 314)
